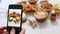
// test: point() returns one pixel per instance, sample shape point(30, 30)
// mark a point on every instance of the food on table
point(32, 22)
point(24, 17)
point(34, 7)
point(57, 11)
point(27, 8)
point(41, 16)
point(55, 6)
point(47, 7)
point(31, 8)
point(32, 1)
point(53, 16)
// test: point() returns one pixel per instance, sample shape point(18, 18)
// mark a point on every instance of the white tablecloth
point(47, 27)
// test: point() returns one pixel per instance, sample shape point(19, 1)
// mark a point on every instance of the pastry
point(34, 7)
point(32, 22)
point(53, 17)
point(27, 9)
point(47, 7)
point(41, 16)
point(31, 9)
point(57, 11)
point(32, 1)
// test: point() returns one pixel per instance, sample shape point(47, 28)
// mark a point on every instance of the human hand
point(12, 31)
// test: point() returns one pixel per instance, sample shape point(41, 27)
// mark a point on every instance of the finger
point(2, 29)
point(22, 31)
point(5, 33)
point(12, 31)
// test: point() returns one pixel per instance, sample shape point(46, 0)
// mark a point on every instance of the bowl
point(32, 1)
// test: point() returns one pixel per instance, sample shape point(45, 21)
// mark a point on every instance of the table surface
point(47, 27)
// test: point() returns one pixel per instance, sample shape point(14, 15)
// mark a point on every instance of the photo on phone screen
point(14, 17)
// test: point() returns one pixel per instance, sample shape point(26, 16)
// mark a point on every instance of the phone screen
point(14, 16)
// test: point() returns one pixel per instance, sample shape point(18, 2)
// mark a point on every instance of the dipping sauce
point(53, 16)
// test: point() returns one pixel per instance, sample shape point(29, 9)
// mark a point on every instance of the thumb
point(12, 31)
point(22, 31)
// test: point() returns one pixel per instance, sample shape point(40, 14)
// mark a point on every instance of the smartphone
point(14, 18)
